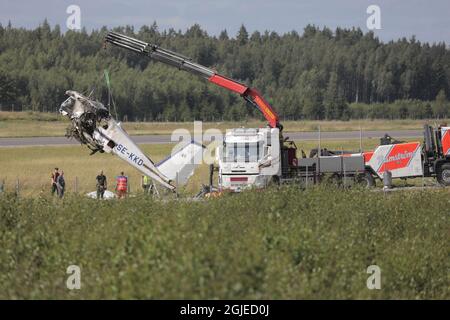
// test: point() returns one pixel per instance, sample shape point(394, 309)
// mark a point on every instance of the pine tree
point(242, 36)
point(7, 89)
point(330, 98)
point(223, 35)
point(441, 106)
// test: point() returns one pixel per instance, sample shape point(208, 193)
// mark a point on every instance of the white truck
point(249, 157)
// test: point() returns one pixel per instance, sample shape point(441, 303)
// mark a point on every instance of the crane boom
point(184, 63)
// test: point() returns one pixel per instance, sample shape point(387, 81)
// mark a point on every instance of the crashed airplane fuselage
point(93, 125)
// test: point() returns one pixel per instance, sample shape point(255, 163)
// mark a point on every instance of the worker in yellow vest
point(146, 184)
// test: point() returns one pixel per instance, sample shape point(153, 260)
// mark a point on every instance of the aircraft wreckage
point(93, 125)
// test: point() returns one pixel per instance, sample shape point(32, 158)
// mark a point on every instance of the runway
point(163, 139)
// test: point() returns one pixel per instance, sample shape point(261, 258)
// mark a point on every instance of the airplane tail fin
point(180, 165)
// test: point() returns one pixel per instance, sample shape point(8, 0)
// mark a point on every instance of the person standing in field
point(121, 185)
point(146, 184)
point(101, 185)
point(61, 185)
point(54, 177)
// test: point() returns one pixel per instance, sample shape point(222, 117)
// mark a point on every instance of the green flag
point(107, 79)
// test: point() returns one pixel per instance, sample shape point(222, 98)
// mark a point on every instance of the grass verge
point(26, 124)
point(275, 244)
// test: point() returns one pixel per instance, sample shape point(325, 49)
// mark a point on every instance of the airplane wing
point(180, 165)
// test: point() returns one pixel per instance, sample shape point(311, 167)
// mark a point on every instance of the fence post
point(360, 139)
point(176, 184)
point(17, 186)
point(307, 178)
point(343, 167)
point(319, 155)
point(423, 175)
point(76, 184)
point(345, 173)
point(320, 147)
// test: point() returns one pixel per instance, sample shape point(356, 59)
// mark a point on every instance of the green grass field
point(26, 124)
point(32, 167)
point(274, 244)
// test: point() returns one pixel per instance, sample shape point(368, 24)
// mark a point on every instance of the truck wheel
point(366, 180)
point(334, 180)
point(443, 175)
point(274, 181)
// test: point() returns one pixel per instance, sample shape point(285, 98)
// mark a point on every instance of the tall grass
point(273, 244)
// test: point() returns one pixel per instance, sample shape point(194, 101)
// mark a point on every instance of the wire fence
point(23, 186)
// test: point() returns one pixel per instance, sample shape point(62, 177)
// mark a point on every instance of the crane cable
point(110, 96)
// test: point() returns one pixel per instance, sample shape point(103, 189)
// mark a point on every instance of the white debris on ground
point(106, 195)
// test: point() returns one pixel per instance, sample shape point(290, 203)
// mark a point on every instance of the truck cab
point(248, 157)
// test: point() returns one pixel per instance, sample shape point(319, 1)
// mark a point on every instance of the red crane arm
point(183, 63)
point(249, 94)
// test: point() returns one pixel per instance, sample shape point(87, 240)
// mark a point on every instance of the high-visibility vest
point(122, 183)
point(146, 181)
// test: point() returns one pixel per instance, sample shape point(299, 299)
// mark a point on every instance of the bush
point(286, 244)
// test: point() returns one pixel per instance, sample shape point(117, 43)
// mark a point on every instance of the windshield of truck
point(243, 152)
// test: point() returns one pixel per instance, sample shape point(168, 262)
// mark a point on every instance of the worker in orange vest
point(121, 185)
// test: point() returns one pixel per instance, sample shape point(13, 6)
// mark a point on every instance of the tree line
point(318, 74)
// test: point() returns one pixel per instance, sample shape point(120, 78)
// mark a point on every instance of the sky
point(428, 20)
